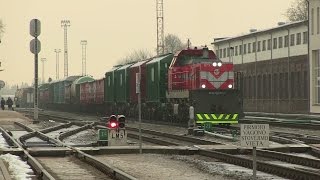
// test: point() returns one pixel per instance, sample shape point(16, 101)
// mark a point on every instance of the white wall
point(295, 50)
point(314, 40)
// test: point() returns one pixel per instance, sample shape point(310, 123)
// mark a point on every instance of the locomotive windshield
point(187, 60)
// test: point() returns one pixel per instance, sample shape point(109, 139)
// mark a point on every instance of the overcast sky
point(116, 28)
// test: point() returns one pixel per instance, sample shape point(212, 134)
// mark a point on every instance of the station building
point(314, 55)
point(275, 66)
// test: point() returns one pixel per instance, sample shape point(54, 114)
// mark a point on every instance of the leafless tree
point(136, 56)
point(172, 44)
point(1, 27)
point(298, 11)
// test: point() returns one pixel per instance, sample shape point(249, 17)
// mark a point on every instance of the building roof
point(283, 26)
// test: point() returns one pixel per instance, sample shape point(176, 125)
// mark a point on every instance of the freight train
point(169, 85)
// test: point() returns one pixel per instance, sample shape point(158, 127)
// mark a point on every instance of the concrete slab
point(49, 151)
point(135, 149)
point(14, 151)
point(316, 145)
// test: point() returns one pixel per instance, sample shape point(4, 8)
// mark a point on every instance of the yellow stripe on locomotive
point(202, 118)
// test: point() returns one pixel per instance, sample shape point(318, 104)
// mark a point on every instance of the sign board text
point(254, 135)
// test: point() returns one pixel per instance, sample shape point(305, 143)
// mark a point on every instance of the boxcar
point(99, 91)
point(109, 84)
point(134, 69)
point(75, 88)
point(157, 71)
point(122, 84)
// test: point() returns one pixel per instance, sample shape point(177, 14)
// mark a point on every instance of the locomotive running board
point(177, 94)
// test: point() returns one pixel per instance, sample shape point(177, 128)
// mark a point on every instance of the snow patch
point(3, 142)
point(228, 170)
point(18, 169)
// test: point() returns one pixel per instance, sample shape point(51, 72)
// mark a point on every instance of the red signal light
point(113, 124)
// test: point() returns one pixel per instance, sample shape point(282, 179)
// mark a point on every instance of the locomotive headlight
point(219, 64)
point(230, 86)
point(203, 86)
point(214, 64)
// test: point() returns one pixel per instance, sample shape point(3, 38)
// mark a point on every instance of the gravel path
point(156, 167)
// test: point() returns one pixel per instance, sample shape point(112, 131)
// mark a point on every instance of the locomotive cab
point(198, 77)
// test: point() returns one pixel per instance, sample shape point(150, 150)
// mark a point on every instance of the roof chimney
point(281, 23)
point(253, 30)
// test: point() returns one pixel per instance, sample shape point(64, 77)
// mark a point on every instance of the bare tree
point(298, 11)
point(136, 56)
point(1, 27)
point(172, 44)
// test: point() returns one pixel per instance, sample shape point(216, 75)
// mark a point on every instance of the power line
point(43, 60)
point(160, 33)
point(84, 58)
point(65, 24)
point(57, 51)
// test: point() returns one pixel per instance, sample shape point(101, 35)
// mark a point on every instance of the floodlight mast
point(65, 24)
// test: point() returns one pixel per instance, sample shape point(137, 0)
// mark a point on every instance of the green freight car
point(109, 86)
point(122, 84)
point(59, 89)
point(157, 81)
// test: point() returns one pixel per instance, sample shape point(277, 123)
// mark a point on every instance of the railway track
point(307, 124)
point(75, 164)
point(283, 171)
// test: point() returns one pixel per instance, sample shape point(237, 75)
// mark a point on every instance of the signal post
point(115, 133)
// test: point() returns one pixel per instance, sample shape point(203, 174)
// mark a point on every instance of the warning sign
point(117, 137)
point(254, 135)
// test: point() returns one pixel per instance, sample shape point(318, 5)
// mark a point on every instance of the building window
point(236, 50)
point(109, 81)
point(318, 20)
point(249, 47)
point(245, 49)
point(305, 37)
point(269, 44)
point(220, 53)
point(298, 38)
point(120, 79)
point(240, 49)
point(312, 22)
point(292, 40)
point(286, 41)
point(280, 42)
point(259, 46)
point(224, 52)
point(263, 45)
point(275, 43)
point(254, 46)
point(316, 78)
point(231, 51)
point(217, 53)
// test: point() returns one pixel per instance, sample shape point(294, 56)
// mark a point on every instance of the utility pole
point(84, 58)
point(57, 51)
point(43, 60)
point(160, 33)
point(65, 24)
